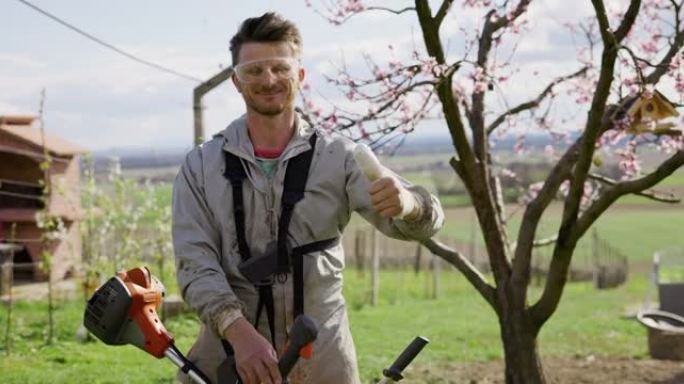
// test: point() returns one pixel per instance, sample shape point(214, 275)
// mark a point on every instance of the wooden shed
point(22, 151)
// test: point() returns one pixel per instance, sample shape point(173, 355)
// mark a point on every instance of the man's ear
point(301, 74)
point(236, 82)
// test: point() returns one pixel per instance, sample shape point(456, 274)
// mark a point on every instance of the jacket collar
point(236, 139)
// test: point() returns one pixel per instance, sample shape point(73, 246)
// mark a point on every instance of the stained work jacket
point(207, 256)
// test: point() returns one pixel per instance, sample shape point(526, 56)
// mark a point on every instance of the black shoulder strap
point(295, 182)
point(235, 172)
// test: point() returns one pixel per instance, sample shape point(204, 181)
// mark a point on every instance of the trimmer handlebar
point(304, 331)
point(393, 373)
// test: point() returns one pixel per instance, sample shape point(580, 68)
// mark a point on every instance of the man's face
point(268, 77)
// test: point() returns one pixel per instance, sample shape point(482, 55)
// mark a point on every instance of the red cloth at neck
point(268, 153)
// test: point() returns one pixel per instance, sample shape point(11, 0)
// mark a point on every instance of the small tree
point(638, 47)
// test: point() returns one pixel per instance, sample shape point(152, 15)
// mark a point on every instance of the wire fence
point(597, 261)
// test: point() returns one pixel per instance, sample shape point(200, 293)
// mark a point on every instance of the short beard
point(273, 111)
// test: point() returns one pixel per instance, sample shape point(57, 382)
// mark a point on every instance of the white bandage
point(371, 167)
point(368, 163)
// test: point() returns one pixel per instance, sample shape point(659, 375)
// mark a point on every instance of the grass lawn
point(459, 324)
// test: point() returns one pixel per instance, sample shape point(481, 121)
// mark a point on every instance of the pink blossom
point(505, 172)
point(519, 147)
point(649, 47)
point(532, 192)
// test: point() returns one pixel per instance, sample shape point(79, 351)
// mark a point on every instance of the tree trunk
point(520, 349)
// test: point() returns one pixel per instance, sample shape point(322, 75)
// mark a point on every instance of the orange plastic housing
point(146, 298)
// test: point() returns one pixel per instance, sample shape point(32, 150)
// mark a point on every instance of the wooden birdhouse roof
point(662, 107)
point(21, 128)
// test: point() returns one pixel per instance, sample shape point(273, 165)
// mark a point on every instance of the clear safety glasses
point(280, 68)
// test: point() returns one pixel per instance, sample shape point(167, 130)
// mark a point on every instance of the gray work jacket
point(207, 255)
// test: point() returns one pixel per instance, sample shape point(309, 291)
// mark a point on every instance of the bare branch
point(475, 277)
point(534, 102)
point(344, 16)
point(544, 242)
point(628, 20)
point(442, 12)
point(528, 228)
point(540, 243)
point(649, 194)
point(604, 25)
point(675, 48)
point(544, 308)
point(491, 26)
point(623, 188)
point(452, 114)
point(594, 126)
point(395, 11)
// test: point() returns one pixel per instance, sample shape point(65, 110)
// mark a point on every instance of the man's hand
point(256, 360)
point(391, 199)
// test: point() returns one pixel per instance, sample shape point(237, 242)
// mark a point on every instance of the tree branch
point(533, 213)
point(562, 256)
point(662, 197)
point(604, 25)
point(534, 102)
point(442, 12)
point(395, 11)
point(452, 114)
point(545, 242)
point(618, 190)
point(662, 67)
point(628, 20)
point(593, 128)
point(475, 277)
point(491, 26)
point(540, 242)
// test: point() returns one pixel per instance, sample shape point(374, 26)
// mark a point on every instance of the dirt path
point(39, 290)
point(585, 370)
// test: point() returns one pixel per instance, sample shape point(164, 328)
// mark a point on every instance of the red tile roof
point(20, 128)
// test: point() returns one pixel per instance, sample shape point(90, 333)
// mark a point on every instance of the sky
point(102, 100)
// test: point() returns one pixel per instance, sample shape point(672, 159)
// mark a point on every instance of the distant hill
point(138, 158)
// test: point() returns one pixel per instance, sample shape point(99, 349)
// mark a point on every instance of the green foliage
point(126, 224)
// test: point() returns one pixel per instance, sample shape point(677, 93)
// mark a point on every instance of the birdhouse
point(647, 111)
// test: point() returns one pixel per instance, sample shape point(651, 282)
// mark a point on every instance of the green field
point(459, 324)
point(637, 231)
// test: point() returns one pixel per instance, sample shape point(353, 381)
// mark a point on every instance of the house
point(23, 148)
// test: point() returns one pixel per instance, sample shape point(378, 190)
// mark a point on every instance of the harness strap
point(235, 172)
point(266, 300)
point(293, 191)
point(298, 269)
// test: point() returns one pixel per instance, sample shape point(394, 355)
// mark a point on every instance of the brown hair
point(269, 27)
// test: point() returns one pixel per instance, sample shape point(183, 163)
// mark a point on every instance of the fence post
point(10, 282)
point(375, 270)
point(472, 245)
point(595, 260)
point(416, 263)
point(360, 249)
point(436, 269)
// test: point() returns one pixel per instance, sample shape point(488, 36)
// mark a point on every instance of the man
point(216, 235)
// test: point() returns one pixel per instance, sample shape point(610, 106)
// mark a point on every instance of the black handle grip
point(304, 331)
point(406, 357)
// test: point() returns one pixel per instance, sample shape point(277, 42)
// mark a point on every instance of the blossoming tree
point(625, 53)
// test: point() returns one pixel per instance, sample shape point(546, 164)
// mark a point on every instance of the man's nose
point(269, 77)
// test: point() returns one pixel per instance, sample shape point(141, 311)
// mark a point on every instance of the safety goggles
point(281, 68)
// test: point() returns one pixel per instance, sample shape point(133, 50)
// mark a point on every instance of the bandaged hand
point(388, 196)
point(391, 199)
